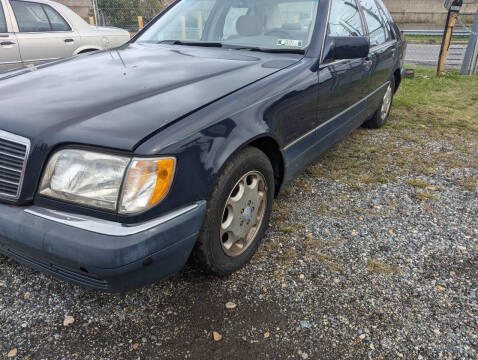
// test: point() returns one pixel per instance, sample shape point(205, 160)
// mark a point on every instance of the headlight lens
point(85, 177)
point(96, 179)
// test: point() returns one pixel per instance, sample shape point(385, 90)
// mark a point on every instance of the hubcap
point(243, 213)
point(387, 102)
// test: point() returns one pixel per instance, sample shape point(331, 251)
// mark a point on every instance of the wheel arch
point(269, 146)
point(85, 49)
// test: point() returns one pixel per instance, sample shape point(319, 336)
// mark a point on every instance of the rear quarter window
point(377, 28)
point(56, 20)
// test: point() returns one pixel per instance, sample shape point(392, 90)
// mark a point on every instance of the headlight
point(104, 181)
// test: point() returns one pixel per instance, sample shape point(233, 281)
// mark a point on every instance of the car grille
point(13, 157)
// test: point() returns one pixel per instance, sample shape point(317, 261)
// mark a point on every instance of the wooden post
point(183, 27)
point(92, 20)
point(450, 23)
point(140, 22)
point(453, 7)
point(200, 24)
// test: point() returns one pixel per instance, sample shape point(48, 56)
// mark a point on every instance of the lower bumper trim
point(103, 226)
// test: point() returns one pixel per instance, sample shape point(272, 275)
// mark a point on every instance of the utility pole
point(471, 49)
point(453, 7)
point(95, 12)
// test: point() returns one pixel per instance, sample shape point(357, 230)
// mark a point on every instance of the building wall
point(426, 11)
point(81, 7)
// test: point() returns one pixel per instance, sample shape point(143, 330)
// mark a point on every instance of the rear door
point(382, 51)
point(43, 33)
point(9, 52)
point(343, 82)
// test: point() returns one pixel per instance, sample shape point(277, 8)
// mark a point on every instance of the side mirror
point(339, 48)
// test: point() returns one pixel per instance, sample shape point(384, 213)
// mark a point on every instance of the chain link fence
point(125, 13)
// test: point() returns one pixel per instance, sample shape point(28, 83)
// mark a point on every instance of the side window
point(345, 19)
point(34, 17)
point(387, 19)
point(376, 28)
point(3, 22)
point(56, 21)
point(30, 17)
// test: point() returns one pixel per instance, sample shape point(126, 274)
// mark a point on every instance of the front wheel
point(381, 115)
point(238, 213)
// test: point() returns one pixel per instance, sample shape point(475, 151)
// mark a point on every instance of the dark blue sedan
point(118, 166)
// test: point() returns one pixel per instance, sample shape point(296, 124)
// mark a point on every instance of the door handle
point(69, 40)
point(6, 43)
point(367, 63)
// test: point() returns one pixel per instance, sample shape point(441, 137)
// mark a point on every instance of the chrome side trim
point(104, 227)
point(385, 44)
point(19, 140)
point(334, 117)
point(10, 62)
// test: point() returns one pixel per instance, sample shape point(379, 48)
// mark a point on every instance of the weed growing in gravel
point(381, 268)
point(469, 183)
point(416, 183)
point(424, 195)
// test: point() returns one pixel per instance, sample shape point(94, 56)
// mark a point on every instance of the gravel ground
point(378, 272)
point(352, 267)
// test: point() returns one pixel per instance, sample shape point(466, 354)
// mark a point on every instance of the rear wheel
point(238, 213)
point(381, 115)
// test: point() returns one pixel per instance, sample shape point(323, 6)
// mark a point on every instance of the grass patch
point(433, 123)
point(424, 195)
point(416, 183)
point(433, 39)
point(331, 261)
point(381, 268)
point(469, 183)
point(286, 229)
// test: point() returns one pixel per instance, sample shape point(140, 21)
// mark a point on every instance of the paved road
point(427, 55)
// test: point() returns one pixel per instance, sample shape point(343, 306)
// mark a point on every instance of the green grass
point(433, 39)
point(434, 122)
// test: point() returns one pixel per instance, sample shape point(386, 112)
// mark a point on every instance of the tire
point(381, 115)
point(249, 167)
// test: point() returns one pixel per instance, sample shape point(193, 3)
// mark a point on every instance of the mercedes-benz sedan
point(117, 167)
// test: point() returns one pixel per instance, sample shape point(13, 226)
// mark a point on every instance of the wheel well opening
point(87, 51)
point(398, 78)
point(270, 147)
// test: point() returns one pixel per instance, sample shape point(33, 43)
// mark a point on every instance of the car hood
point(117, 98)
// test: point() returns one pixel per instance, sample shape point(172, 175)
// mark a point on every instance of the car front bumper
point(100, 254)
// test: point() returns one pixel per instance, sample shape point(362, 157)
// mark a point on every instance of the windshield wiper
point(234, 47)
point(268, 50)
point(191, 43)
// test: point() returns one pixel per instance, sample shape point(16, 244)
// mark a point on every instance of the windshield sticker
point(288, 42)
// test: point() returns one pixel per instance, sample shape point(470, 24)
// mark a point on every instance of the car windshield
point(277, 25)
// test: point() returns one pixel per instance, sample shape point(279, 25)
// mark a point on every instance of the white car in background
point(37, 30)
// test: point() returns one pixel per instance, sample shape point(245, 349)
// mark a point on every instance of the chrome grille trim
point(14, 151)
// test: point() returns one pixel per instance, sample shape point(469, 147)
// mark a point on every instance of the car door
point(342, 83)
point(382, 51)
point(9, 52)
point(42, 33)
